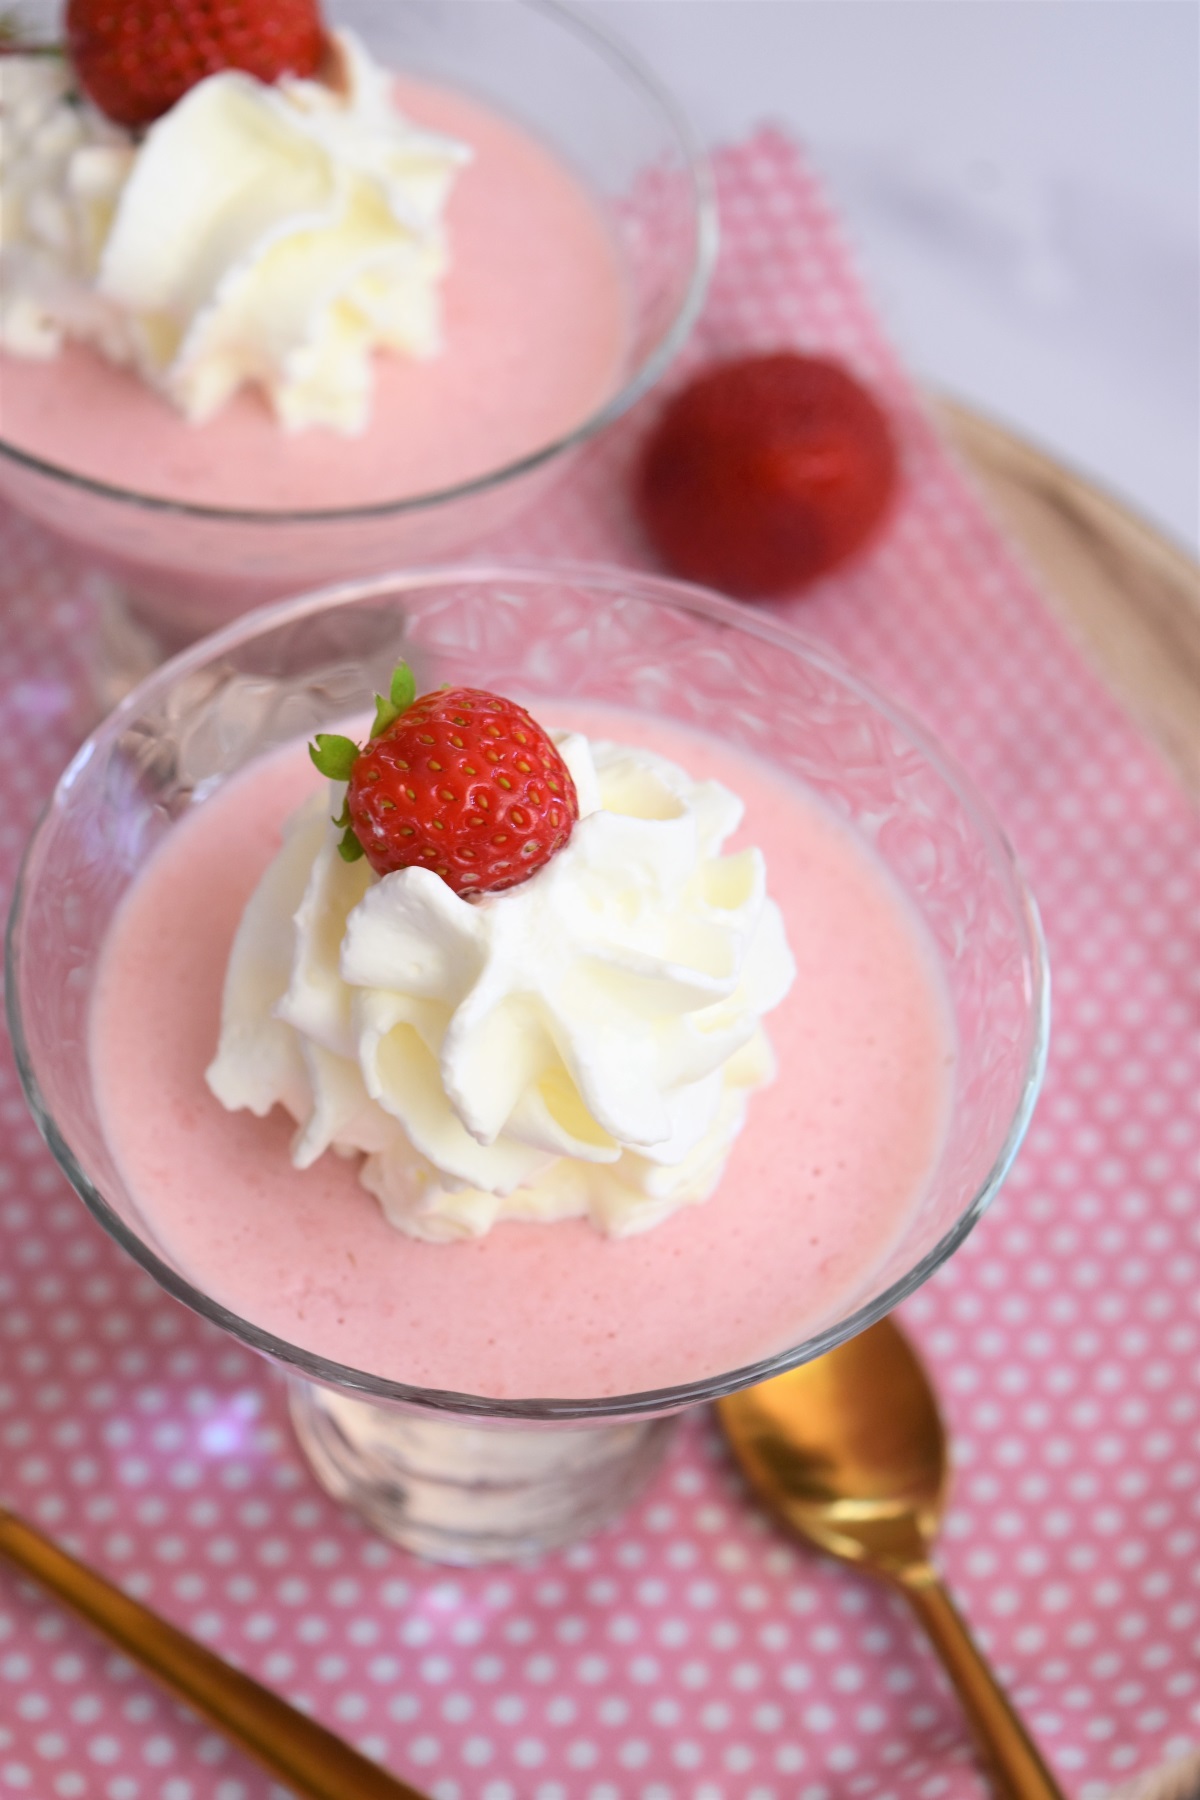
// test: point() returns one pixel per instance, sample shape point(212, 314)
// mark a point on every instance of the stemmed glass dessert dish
point(188, 525)
point(491, 1465)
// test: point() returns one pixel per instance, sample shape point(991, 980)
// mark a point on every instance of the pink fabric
point(692, 1651)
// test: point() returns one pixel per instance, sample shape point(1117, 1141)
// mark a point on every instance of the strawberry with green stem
point(461, 782)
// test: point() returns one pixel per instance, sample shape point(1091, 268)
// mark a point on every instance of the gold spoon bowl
point(850, 1452)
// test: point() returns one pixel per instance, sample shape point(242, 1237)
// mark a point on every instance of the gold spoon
point(849, 1450)
point(296, 1750)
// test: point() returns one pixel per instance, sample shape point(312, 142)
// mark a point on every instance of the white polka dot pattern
point(691, 1652)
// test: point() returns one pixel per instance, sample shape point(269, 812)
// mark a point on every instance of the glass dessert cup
point(458, 1476)
point(167, 571)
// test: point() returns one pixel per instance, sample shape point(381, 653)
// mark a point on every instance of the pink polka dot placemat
point(692, 1652)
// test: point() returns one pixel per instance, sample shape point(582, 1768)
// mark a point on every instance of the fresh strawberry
point(461, 782)
point(136, 58)
point(764, 473)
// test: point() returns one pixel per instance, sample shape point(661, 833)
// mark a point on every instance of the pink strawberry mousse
point(534, 322)
point(834, 1158)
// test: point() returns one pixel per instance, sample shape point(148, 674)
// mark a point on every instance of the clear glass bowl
point(177, 570)
point(456, 1475)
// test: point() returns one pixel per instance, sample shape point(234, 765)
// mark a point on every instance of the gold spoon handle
point(1016, 1766)
point(295, 1749)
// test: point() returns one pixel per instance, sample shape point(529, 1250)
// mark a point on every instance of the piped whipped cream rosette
point(582, 1044)
point(272, 234)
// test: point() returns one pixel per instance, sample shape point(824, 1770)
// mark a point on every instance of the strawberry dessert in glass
point(634, 1006)
point(291, 299)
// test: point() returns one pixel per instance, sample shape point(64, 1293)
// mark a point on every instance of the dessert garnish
point(262, 233)
point(136, 58)
point(765, 473)
point(461, 782)
point(582, 1043)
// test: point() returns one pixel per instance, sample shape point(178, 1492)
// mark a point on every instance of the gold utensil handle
point(1012, 1757)
point(299, 1752)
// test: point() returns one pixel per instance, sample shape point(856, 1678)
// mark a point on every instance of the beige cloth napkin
point(1178, 1781)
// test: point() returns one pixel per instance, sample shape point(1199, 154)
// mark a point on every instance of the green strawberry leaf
point(402, 691)
point(342, 821)
point(404, 687)
point(349, 848)
point(334, 756)
point(385, 714)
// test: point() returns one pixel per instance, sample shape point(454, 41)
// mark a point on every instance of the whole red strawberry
point(136, 58)
point(461, 782)
point(765, 473)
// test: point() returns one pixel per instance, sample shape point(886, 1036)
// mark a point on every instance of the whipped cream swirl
point(582, 1045)
point(271, 235)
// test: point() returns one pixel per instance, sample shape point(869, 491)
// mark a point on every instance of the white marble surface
point(1022, 181)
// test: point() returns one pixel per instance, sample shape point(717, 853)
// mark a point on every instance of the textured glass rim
point(638, 75)
point(607, 583)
